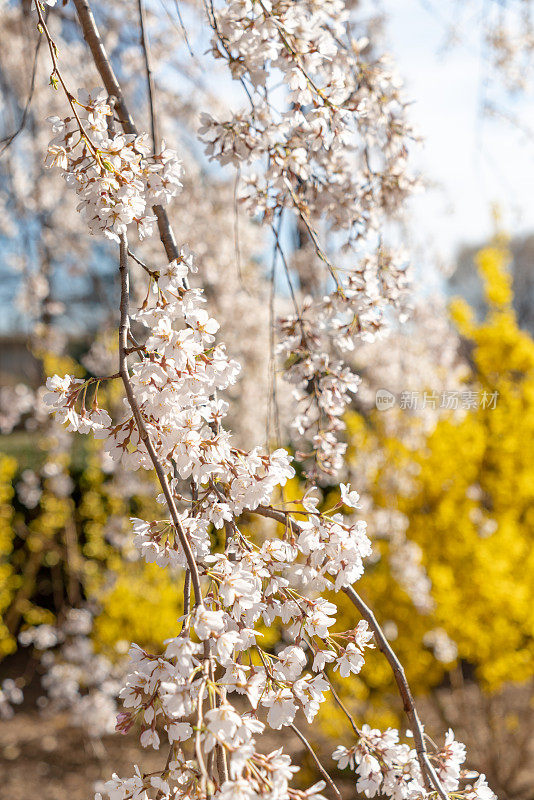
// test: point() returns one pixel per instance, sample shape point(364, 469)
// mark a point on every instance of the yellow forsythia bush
point(470, 508)
point(8, 578)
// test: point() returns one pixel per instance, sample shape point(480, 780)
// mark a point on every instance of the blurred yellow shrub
point(469, 505)
point(8, 579)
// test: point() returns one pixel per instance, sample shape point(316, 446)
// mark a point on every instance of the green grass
point(23, 446)
point(26, 447)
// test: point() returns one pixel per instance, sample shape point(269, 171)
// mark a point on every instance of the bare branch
point(151, 89)
point(427, 769)
point(320, 767)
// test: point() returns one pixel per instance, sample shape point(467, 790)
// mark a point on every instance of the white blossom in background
point(10, 695)
point(77, 679)
point(422, 356)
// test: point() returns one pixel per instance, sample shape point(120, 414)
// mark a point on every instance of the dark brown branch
point(102, 62)
point(320, 767)
point(273, 513)
point(427, 769)
point(154, 273)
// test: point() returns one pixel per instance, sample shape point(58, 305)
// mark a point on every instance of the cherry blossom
point(172, 420)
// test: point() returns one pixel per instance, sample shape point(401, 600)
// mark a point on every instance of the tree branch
point(7, 140)
point(320, 767)
point(149, 76)
point(427, 769)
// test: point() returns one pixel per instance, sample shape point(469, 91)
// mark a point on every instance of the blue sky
point(474, 161)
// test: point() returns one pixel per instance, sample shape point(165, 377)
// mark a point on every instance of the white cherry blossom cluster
point(337, 148)
point(63, 395)
point(387, 767)
point(175, 381)
point(173, 421)
point(333, 151)
point(179, 370)
point(115, 177)
point(313, 342)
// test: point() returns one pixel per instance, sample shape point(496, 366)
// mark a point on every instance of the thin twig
point(272, 401)
point(154, 273)
point(320, 767)
point(313, 236)
point(187, 592)
point(198, 747)
point(166, 770)
point(278, 247)
point(57, 74)
point(182, 26)
point(11, 137)
point(342, 706)
point(151, 89)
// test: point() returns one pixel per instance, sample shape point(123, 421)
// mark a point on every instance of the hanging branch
point(175, 411)
point(8, 140)
point(404, 690)
point(316, 760)
point(151, 89)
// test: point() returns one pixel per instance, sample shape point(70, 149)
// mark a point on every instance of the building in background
point(465, 280)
